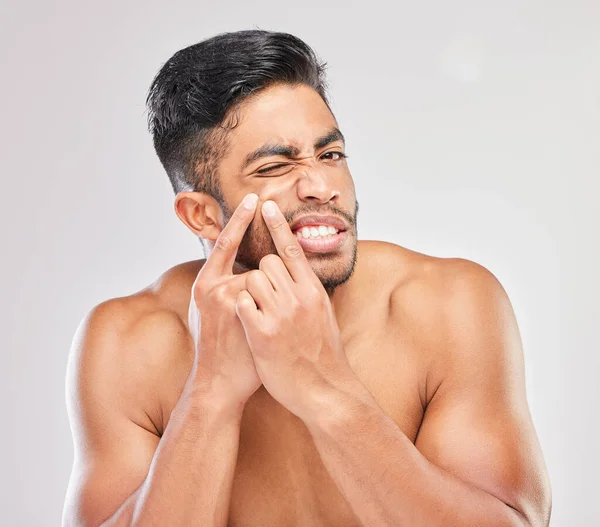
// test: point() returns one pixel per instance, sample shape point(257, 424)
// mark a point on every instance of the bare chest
point(280, 479)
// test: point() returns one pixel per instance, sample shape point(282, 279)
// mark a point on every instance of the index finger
point(287, 244)
point(221, 259)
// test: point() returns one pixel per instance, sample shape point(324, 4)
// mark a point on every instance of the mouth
point(319, 222)
point(316, 231)
point(326, 243)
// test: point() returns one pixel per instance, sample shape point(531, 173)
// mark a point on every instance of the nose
point(316, 184)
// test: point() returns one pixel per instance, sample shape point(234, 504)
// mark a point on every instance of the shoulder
point(422, 286)
point(455, 310)
point(120, 326)
point(442, 289)
point(446, 287)
point(383, 265)
point(150, 314)
point(411, 275)
point(123, 349)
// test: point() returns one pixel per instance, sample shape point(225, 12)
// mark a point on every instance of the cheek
point(276, 187)
point(258, 231)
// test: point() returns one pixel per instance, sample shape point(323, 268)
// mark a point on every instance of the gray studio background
point(473, 130)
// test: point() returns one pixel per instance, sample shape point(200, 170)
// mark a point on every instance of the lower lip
point(323, 245)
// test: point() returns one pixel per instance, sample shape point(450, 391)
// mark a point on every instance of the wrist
point(209, 393)
point(334, 402)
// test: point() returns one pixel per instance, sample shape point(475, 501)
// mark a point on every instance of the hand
point(222, 352)
point(290, 324)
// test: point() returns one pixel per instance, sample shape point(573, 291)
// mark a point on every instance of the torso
point(279, 477)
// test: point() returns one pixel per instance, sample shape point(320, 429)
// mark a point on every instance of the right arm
point(123, 473)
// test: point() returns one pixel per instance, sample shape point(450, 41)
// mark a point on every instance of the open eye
point(340, 154)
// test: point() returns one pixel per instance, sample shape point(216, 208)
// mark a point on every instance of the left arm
point(477, 460)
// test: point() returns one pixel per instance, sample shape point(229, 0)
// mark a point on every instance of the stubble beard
point(332, 269)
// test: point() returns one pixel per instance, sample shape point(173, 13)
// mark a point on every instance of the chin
point(333, 270)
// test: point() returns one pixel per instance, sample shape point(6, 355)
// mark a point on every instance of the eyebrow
point(290, 151)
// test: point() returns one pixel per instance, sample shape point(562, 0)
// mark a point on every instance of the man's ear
point(200, 213)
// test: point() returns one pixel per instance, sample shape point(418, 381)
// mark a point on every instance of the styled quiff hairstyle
point(194, 97)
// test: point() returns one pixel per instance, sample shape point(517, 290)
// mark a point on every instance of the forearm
point(385, 478)
point(190, 478)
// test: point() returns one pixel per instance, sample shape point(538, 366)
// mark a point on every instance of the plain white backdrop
point(473, 129)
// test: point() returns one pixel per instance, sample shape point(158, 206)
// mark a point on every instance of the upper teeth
point(316, 231)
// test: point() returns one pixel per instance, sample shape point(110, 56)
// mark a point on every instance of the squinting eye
point(270, 169)
point(275, 167)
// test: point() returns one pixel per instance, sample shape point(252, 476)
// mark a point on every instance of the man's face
point(310, 180)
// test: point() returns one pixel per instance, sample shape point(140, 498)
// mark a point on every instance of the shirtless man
point(287, 380)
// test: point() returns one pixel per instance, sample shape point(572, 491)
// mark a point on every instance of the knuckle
point(199, 288)
point(278, 225)
point(219, 293)
point(268, 260)
point(223, 242)
point(294, 304)
point(238, 215)
point(254, 276)
point(242, 297)
point(311, 297)
point(291, 309)
point(292, 251)
point(229, 304)
point(269, 331)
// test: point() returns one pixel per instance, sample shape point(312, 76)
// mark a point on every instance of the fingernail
point(269, 208)
point(250, 201)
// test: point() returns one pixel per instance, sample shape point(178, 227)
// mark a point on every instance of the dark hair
point(193, 96)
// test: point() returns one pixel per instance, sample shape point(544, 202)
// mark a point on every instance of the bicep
point(477, 425)
point(103, 477)
point(486, 441)
point(112, 453)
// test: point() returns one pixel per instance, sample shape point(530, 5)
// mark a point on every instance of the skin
point(391, 387)
point(313, 182)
